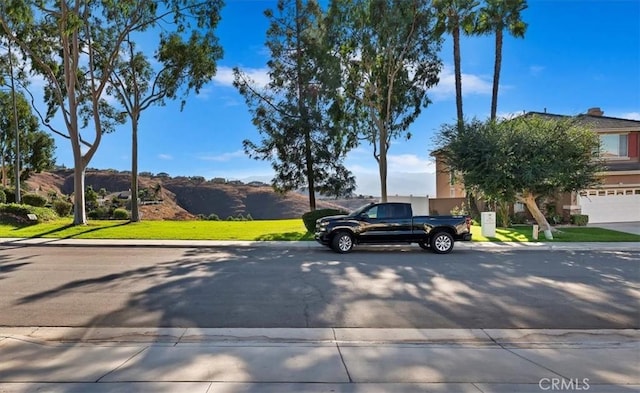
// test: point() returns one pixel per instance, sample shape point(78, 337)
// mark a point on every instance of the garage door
point(611, 205)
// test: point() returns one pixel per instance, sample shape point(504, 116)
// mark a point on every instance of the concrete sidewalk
point(317, 360)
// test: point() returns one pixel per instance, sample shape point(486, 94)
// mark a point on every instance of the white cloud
point(398, 183)
point(204, 93)
point(471, 84)
point(536, 70)
point(224, 75)
point(410, 163)
point(508, 115)
point(408, 174)
point(224, 157)
point(631, 115)
point(165, 157)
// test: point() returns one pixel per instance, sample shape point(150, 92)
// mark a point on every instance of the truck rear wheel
point(342, 242)
point(441, 243)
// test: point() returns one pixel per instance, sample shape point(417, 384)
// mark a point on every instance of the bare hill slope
point(185, 198)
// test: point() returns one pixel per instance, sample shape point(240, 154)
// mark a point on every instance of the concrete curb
point(493, 246)
point(344, 336)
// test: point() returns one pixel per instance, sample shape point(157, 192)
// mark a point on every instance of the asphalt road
point(269, 287)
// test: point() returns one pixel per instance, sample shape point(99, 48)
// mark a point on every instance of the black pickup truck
point(386, 223)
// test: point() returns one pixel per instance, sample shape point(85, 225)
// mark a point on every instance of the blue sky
point(576, 54)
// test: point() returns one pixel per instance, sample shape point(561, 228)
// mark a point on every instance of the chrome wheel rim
point(345, 243)
point(443, 243)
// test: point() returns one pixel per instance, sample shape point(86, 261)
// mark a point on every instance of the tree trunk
point(530, 201)
point(303, 110)
point(458, 74)
point(382, 165)
point(3, 173)
point(79, 212)
point(502, 208)
point(496, 74)
point(135, 214)
point(310, 175)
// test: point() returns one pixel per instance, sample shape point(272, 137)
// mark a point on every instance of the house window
point(452, 177)
point(614, 145)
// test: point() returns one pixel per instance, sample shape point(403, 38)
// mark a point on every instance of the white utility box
point(488, 224)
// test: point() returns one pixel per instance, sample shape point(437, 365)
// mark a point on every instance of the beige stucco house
point(616, 200)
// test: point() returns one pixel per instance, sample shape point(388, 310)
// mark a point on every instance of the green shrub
point(34, 200)
point(3, 197)
point(120, 214)
point(579, 219)
point(99, 213)
point(213, 217)
point(309, 218)
point(10, 195)
point(63, 208)
point(14, 213)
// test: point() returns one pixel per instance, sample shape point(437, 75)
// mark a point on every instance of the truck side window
point(373, 212)
point(384, 211)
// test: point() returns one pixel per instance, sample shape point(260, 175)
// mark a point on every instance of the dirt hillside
point(184, 198)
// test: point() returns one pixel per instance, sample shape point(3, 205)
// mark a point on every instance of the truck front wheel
point(441, 243)
point(342, 242)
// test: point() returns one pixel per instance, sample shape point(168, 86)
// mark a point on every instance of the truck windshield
point(359, 210)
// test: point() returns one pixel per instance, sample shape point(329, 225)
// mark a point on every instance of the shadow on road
point(248, 287)
point(408, 288)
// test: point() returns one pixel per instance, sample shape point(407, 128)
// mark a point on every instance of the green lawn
point(568, 234)
point(179, 230)
point(259, 230)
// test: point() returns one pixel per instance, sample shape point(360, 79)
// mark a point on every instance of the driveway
point(628, 227)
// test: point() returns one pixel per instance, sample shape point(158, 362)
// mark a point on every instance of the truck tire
point(441, 242)
point(342, 242)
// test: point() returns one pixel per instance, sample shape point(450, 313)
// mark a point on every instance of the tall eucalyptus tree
point(296, 111)
point(75, 45)
point(388, 51)
point(183, 65)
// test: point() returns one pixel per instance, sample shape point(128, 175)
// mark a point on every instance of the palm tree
point(454, 15)
point(494, 17)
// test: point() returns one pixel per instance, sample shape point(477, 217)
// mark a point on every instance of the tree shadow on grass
point(287, 236)
point(83, 231)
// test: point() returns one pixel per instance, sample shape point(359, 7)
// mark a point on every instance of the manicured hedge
point(34, 200)
point(309, 218)
point(579, 219)
point(63, 208)
point(120, 214)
